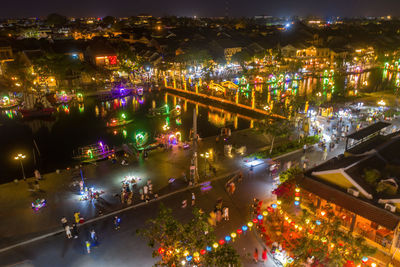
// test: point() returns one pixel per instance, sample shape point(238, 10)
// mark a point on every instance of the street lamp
point(20, 157)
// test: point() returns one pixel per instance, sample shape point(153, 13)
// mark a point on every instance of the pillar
point(184, 85)
point(253, 98)
point(235, 122)
point(237, 96)
point(174, 83)
point(165, 82)
point(197, 88)
point(166, 98)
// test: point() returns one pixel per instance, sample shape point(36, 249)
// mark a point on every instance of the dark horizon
point(201, 8)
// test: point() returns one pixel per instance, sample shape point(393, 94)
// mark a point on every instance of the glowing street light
point(20, 157)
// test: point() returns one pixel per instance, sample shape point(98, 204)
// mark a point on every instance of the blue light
point(189, 258)
point(287, 25)
point(208, 248)
point(297, 203)
point(274, 206)
point(227, 238)
point(260, 217)
point(244, 228)
point(318, 222)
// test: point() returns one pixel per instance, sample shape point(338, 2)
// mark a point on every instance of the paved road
point(125, 248)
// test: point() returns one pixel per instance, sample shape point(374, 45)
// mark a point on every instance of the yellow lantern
point(233, 235)
point(265, 213)
point(196, 254)
point(215, 245)
point(185, 253)
point(250, 224)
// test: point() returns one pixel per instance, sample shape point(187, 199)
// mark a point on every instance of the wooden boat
point(118, 122)
point(37, 113)
point(92, 153)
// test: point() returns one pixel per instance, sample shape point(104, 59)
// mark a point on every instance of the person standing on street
point(264, 255)
point(255, 255)
point(93, 237)
point(77, 217)
point(193, 199)
point(184, 204)
point(75, 230)
point(117, 221)
point(88, 247)
point(64, 222)
point(68, 231)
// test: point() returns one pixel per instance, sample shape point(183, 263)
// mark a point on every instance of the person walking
point(117, 221)
point(68, 231)
point(255, 255)
point(184, 204)
point(88, 247)
point(145, 190)
point(304, 148)
point(64, 222)
point(77, 217)
point(325, 155)
point(264, 255)
point(193, 199)
point(93, 237)
point(226, 213)
point(75, 230)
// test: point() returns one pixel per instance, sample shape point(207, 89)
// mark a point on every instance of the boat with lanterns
point(164, 111)
point(118, 122)
point(7, 103)
point(92, 153)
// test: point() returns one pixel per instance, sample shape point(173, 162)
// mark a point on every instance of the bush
point(286, 147)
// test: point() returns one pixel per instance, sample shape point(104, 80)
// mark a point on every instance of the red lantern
point(221, 242)
point(161, 250)
point(239, 231)
point(292, 223)
point(203, 251)
point(255, 220)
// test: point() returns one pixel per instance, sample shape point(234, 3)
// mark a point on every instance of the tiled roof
point(362, 207)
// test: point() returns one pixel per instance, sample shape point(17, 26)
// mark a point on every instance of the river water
point(75, 125)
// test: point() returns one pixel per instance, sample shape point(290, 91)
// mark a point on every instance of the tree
point(18, 73)
point(274, 128)
point(241, 57)
point(175, 238)
point(108, 20)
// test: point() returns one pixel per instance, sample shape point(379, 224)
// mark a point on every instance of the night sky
point(101, 8)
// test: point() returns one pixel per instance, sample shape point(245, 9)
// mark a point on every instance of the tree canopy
point(173, 240)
